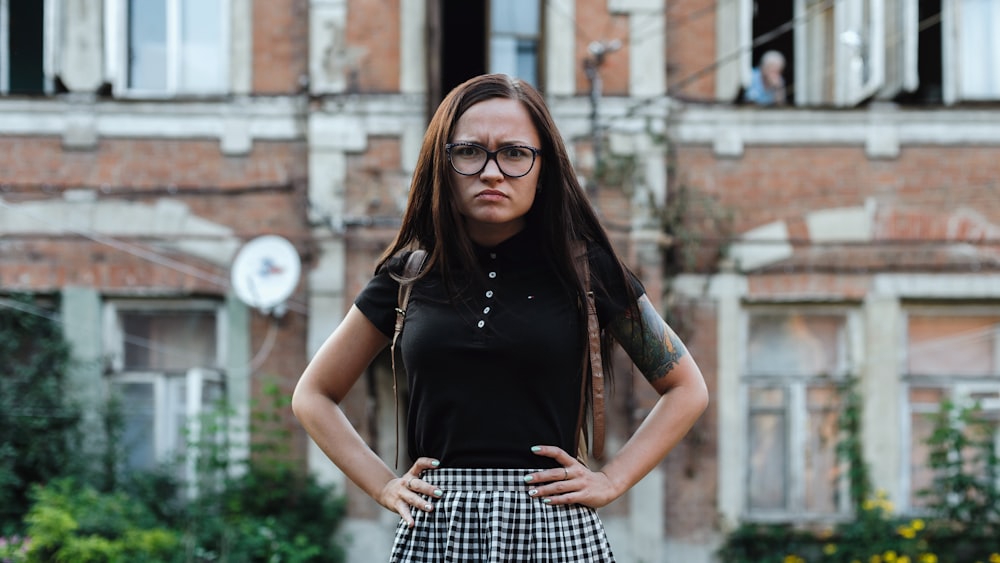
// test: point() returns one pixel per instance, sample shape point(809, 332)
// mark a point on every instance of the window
point(794, 368)
point(474, 37)
point(175, 47)
point(166, 371)
point(22, 47)
point(949, 353)
point(845, 52)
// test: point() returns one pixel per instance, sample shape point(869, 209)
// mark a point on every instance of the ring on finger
point(567, 474)
point(409, 484)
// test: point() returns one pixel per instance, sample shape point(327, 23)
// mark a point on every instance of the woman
point(492, 347)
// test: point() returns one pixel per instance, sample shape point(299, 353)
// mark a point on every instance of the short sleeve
point(610, 294)
point(378, 300)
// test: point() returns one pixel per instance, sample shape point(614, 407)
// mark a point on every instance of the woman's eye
point(465, 152)
point(515, 153)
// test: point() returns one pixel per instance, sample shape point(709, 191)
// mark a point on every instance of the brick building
point(854, 231)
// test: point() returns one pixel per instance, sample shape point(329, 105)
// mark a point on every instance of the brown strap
point(413, 265)
point(596, 361)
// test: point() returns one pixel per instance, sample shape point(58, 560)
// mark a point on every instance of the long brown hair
point(561, 212)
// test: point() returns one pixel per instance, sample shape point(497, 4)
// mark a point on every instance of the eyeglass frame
point(492, 155)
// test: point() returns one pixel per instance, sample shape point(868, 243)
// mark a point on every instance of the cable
point(143, 253)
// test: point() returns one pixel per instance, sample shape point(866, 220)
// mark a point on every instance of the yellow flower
point(907, 532)
point(889, 556)
point(830, 548)
point(792, 558)
point(868, 505)
point(995, 558)
point(903, 559)
point(917, 524)
point(875, 559)
point(928, 558)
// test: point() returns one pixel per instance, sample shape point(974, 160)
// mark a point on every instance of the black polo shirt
point(496, 368)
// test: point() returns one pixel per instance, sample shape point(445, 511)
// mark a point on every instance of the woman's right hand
point(407, 492)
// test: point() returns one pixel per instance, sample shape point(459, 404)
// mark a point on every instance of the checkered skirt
point(486, 516)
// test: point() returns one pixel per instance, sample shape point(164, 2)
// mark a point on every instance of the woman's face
point(494, 205)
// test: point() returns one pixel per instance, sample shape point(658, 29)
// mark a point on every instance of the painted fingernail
point(435, 463)
point(536, 448)
point(529, 478)
point(547, 500)
point(438, 492)
point(428, 507)
point(532, 492)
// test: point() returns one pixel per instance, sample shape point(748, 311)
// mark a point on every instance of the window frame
point(117, 46)
point(797, 413)
point(537, 37)
point(960, 389)
point(166, 440)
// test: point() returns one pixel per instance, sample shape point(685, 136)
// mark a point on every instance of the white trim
point(559, 44)
point(52, 40)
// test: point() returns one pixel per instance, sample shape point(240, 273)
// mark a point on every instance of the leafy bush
point(76, 523)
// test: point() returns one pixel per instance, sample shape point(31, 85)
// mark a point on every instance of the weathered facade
point(853, 232)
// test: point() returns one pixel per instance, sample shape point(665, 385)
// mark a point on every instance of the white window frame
point(797, 413)
point(961, 390)
point(536, 37)
point(117, 48)
point(951, 56)
point(51, 11)
point(166, 442)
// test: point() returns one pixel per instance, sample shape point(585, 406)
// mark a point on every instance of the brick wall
point(280, 45)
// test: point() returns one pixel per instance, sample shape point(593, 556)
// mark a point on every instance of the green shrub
point(76, 523)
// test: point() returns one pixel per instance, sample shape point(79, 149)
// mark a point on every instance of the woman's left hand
point(571, 483)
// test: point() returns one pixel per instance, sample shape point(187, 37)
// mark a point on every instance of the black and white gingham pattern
point(486, 516)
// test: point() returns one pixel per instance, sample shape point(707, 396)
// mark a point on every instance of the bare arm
point(662, 358)
point(332, 372)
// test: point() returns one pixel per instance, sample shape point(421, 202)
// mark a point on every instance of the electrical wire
point(142, 253)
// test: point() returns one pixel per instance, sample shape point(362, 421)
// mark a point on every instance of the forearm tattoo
point(651, 343)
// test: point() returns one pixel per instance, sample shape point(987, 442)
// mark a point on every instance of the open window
point(170, 47)
point(24, 52)
point(472, 37)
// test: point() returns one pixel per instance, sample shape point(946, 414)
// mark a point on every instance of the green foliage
point(962, 521)
point(38, 425)
point(249, 508)
point(964, 458)
point(76, 523)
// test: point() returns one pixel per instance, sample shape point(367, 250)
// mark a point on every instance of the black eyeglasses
point(469, 159)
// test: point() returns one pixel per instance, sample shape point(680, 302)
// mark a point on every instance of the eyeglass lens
point(513, 161)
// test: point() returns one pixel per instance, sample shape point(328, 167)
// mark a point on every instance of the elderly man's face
point(771, 73)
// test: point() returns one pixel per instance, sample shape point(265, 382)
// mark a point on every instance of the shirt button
point(481, 324)
point(492, 275)
point(493, 255)
point(489, 294)
point(486, 311)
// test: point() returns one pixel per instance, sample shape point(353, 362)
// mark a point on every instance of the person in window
point(767, 85)
point(493, 347)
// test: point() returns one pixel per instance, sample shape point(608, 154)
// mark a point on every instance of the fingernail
point(532, 492)
point(536, 448)
point(547, 500)
point(437, 492)
point(428, 507)
point(529, 478)
point(435, 463)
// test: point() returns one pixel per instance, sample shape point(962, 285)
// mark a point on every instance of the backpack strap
point(596, 363)
point(414, 263)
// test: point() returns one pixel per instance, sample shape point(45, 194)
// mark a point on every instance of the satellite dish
point(265, 273)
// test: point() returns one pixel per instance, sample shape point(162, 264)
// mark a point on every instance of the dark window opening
point(772, 31)
point(463, 42)
point(929, 65)
point(26, 47)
